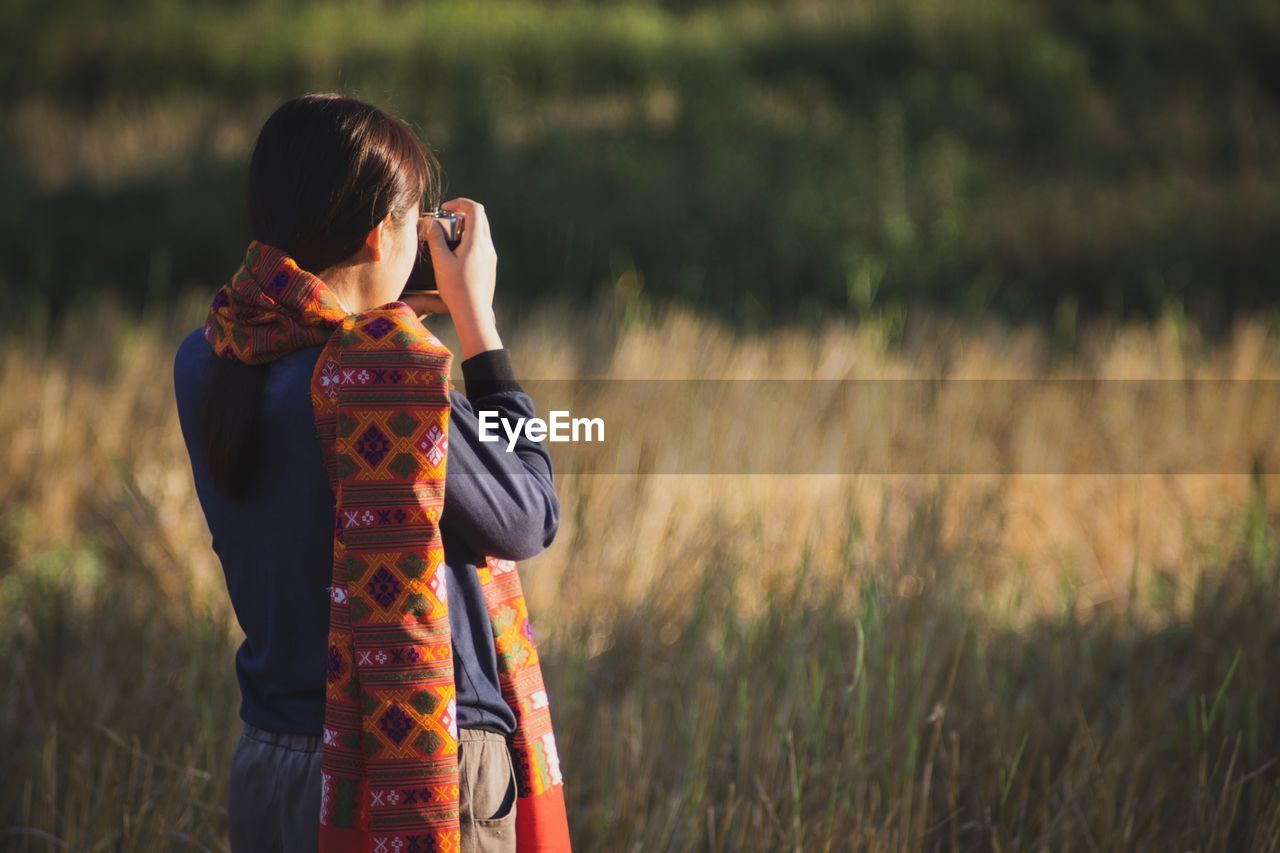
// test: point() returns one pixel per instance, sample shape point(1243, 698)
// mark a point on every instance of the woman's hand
point(466, 277)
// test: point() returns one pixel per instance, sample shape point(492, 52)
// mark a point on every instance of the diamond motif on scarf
point(395, 724)
point(330, 379)
point(335, 664)
point(435, 444)
point(378, 328)
point(384, 588)
point(279, 282)
point(439, 583)
point(449, 718)
point(373, 445)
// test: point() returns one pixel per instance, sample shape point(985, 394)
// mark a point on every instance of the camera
point(422, 276)
point(452, 223)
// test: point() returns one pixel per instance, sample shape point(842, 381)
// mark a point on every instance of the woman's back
point(276, 547)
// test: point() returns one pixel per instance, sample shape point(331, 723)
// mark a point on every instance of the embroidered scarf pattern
point(380, 395)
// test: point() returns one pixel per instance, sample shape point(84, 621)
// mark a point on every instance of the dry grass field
point(985, 661)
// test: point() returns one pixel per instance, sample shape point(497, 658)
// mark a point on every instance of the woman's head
point(337, 184)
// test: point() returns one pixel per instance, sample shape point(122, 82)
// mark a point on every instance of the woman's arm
point(501, 502)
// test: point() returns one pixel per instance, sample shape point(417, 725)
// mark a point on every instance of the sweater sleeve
point(501, 502)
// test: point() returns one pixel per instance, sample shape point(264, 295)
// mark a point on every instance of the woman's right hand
point(466, 276)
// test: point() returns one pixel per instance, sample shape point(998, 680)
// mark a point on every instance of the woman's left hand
point(425, 302)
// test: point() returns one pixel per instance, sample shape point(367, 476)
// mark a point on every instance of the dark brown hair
point(326, 170)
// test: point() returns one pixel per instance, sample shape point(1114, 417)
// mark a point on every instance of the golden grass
point(735, 662)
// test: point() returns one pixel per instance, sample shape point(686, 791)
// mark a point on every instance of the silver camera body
point(452, 224)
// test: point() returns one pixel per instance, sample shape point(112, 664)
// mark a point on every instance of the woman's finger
point(432, 233)
point(466, 205)
point(425, 302)
point(477, 223)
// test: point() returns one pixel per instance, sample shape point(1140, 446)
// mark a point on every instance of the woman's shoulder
point(388, 345)
point(393, 323)
point(191, 360)
point(193, 346)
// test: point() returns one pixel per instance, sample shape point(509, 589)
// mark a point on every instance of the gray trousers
point(274, 803)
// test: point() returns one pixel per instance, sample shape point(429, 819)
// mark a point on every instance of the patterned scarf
point(380, 393)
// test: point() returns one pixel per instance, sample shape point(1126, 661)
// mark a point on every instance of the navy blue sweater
point(276, 549)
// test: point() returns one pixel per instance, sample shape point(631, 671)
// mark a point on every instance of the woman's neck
point(355, 286)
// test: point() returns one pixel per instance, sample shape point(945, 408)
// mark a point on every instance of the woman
point(336, 192)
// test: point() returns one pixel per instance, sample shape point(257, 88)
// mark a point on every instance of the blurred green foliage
point(760, 160)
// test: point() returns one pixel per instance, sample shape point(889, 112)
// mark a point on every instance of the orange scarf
point(380, 392)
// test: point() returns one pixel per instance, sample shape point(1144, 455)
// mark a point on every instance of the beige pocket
point(495, 801)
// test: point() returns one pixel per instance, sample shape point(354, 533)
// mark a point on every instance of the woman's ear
point(374, 239)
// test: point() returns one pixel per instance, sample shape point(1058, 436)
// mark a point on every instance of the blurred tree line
point(1034, 158)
